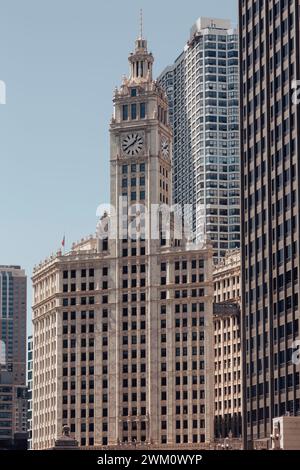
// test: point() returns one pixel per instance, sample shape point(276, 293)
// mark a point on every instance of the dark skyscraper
point(270, 178)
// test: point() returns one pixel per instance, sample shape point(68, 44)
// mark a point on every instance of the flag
point(63, 242)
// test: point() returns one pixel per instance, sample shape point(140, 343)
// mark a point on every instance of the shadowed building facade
point(270, 178)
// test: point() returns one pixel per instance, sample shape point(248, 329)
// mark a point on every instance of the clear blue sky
point(60, 60)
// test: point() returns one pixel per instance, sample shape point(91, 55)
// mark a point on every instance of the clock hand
point(128, 144)
point(133, 143)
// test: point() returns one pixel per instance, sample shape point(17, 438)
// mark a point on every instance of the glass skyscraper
point(202, 88)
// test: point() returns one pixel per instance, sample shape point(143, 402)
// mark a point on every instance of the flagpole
point(63, 243)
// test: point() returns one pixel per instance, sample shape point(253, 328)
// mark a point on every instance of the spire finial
point(141, 23)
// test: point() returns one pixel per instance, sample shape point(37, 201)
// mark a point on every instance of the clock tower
point(140, 180)
point(142, 351)
point(140, 139)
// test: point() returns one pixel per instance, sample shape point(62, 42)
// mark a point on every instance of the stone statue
point(66, 431)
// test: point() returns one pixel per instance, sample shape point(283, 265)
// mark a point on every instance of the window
point(133, 92)
point(142, 110)
point(125, 112)
point(105, 271)
point(133, 111)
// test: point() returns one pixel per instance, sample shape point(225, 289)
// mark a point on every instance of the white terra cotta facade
point(122, 328)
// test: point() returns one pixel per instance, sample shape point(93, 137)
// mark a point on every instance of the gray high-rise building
point(202, 88)
point(270, 202)
point(12, 353)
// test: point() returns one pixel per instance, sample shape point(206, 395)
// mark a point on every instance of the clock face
point(132, 144)
point(165, 148)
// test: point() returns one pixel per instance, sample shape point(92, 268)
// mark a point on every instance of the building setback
point(270, 178)
point(123, 326)
point(202, 88)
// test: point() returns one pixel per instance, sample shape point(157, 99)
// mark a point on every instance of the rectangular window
point(125, 112)
point(142, 110)
point(133, 111)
